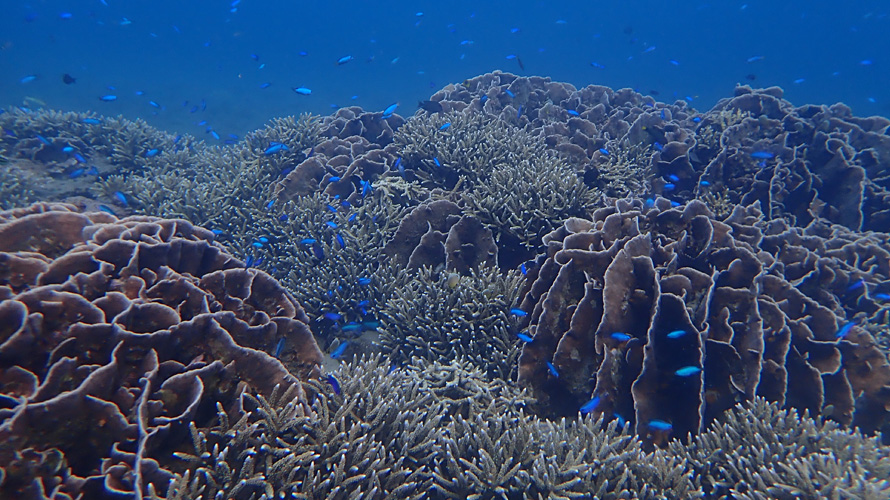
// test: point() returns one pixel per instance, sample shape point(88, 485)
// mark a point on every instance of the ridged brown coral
point(118, 335)
point(669, 317)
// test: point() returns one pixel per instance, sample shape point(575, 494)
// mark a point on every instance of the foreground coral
point(117, 337)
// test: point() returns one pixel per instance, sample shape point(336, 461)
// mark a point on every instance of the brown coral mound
point(670, 317)
point(116, 336)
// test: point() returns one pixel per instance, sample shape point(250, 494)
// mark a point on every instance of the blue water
point(182, 54)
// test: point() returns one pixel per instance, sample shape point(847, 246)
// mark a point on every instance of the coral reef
point(123, 334)
point(689, 281)
point(437, 431)
point(667, 315)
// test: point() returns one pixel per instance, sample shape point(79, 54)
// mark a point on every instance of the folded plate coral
point(669, 317)
point(117, 336)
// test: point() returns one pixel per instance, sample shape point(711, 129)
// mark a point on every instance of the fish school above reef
point(521, 290)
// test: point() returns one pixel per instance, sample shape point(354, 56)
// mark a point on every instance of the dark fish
point(653, 92)
point(68, 79)
point(521, 66)
point(335, 384)
point(318, 251)
point(751, 76)
point(430, 106)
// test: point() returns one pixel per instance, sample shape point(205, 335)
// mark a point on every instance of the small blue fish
point(302, 90)
point(28, 79)
point(216, 231)
point(371, 325)
point(366, 188)
point(620, 337)
point(275, 148)
point(334, 179)
point(214, 134)
point(687, 371)
point(552, 370)
point(518, 312)
point(257, 244)
point(282, 217)
point(352, 326)
point(352, 216)
point(669, 186)
point(590, 405)
point(507, 91)
point(91, 121)
point(390, 110)
point(77, 173)
point(154, 104)
point(658, 146)
point(331, 224)
point(107, 209)
point(673, 178)
point(436, 161)
point(265, 85)
point(604, 151)
point(339, 350)
point(79, 157)
point(762, 155)
point(882, 296)
point(108, 98)
point(152, 152)
point(333, 316)
point(856, 285)
point(573, 112)
point(676, 334)
point(318, 251)
point(121, 198)
point(270, 204)
point(660, 425)
point(343, 60)
point(335, 384)
point(67, 149)
point(43, 140)
point(525, 338)
point(279, 348)
point(445, 126)
point(845, 330)
point(704, 183)
point(364, 281)
point(340, 241)
point(332, 208)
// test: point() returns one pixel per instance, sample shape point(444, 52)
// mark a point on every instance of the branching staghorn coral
point(506, 176)
point(444, 316)
point(393, 433)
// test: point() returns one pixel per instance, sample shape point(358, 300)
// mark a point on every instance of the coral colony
point(522, 290)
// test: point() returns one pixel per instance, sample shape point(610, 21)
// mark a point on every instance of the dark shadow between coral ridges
point(537, 291)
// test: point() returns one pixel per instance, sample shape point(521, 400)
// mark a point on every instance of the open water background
point(179, 54)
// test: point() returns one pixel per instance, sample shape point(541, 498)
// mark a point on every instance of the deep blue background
point(189, 50)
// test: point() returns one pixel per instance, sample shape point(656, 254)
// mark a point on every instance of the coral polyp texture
point(524, 289)
point(118, 335)
point(667, 317)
